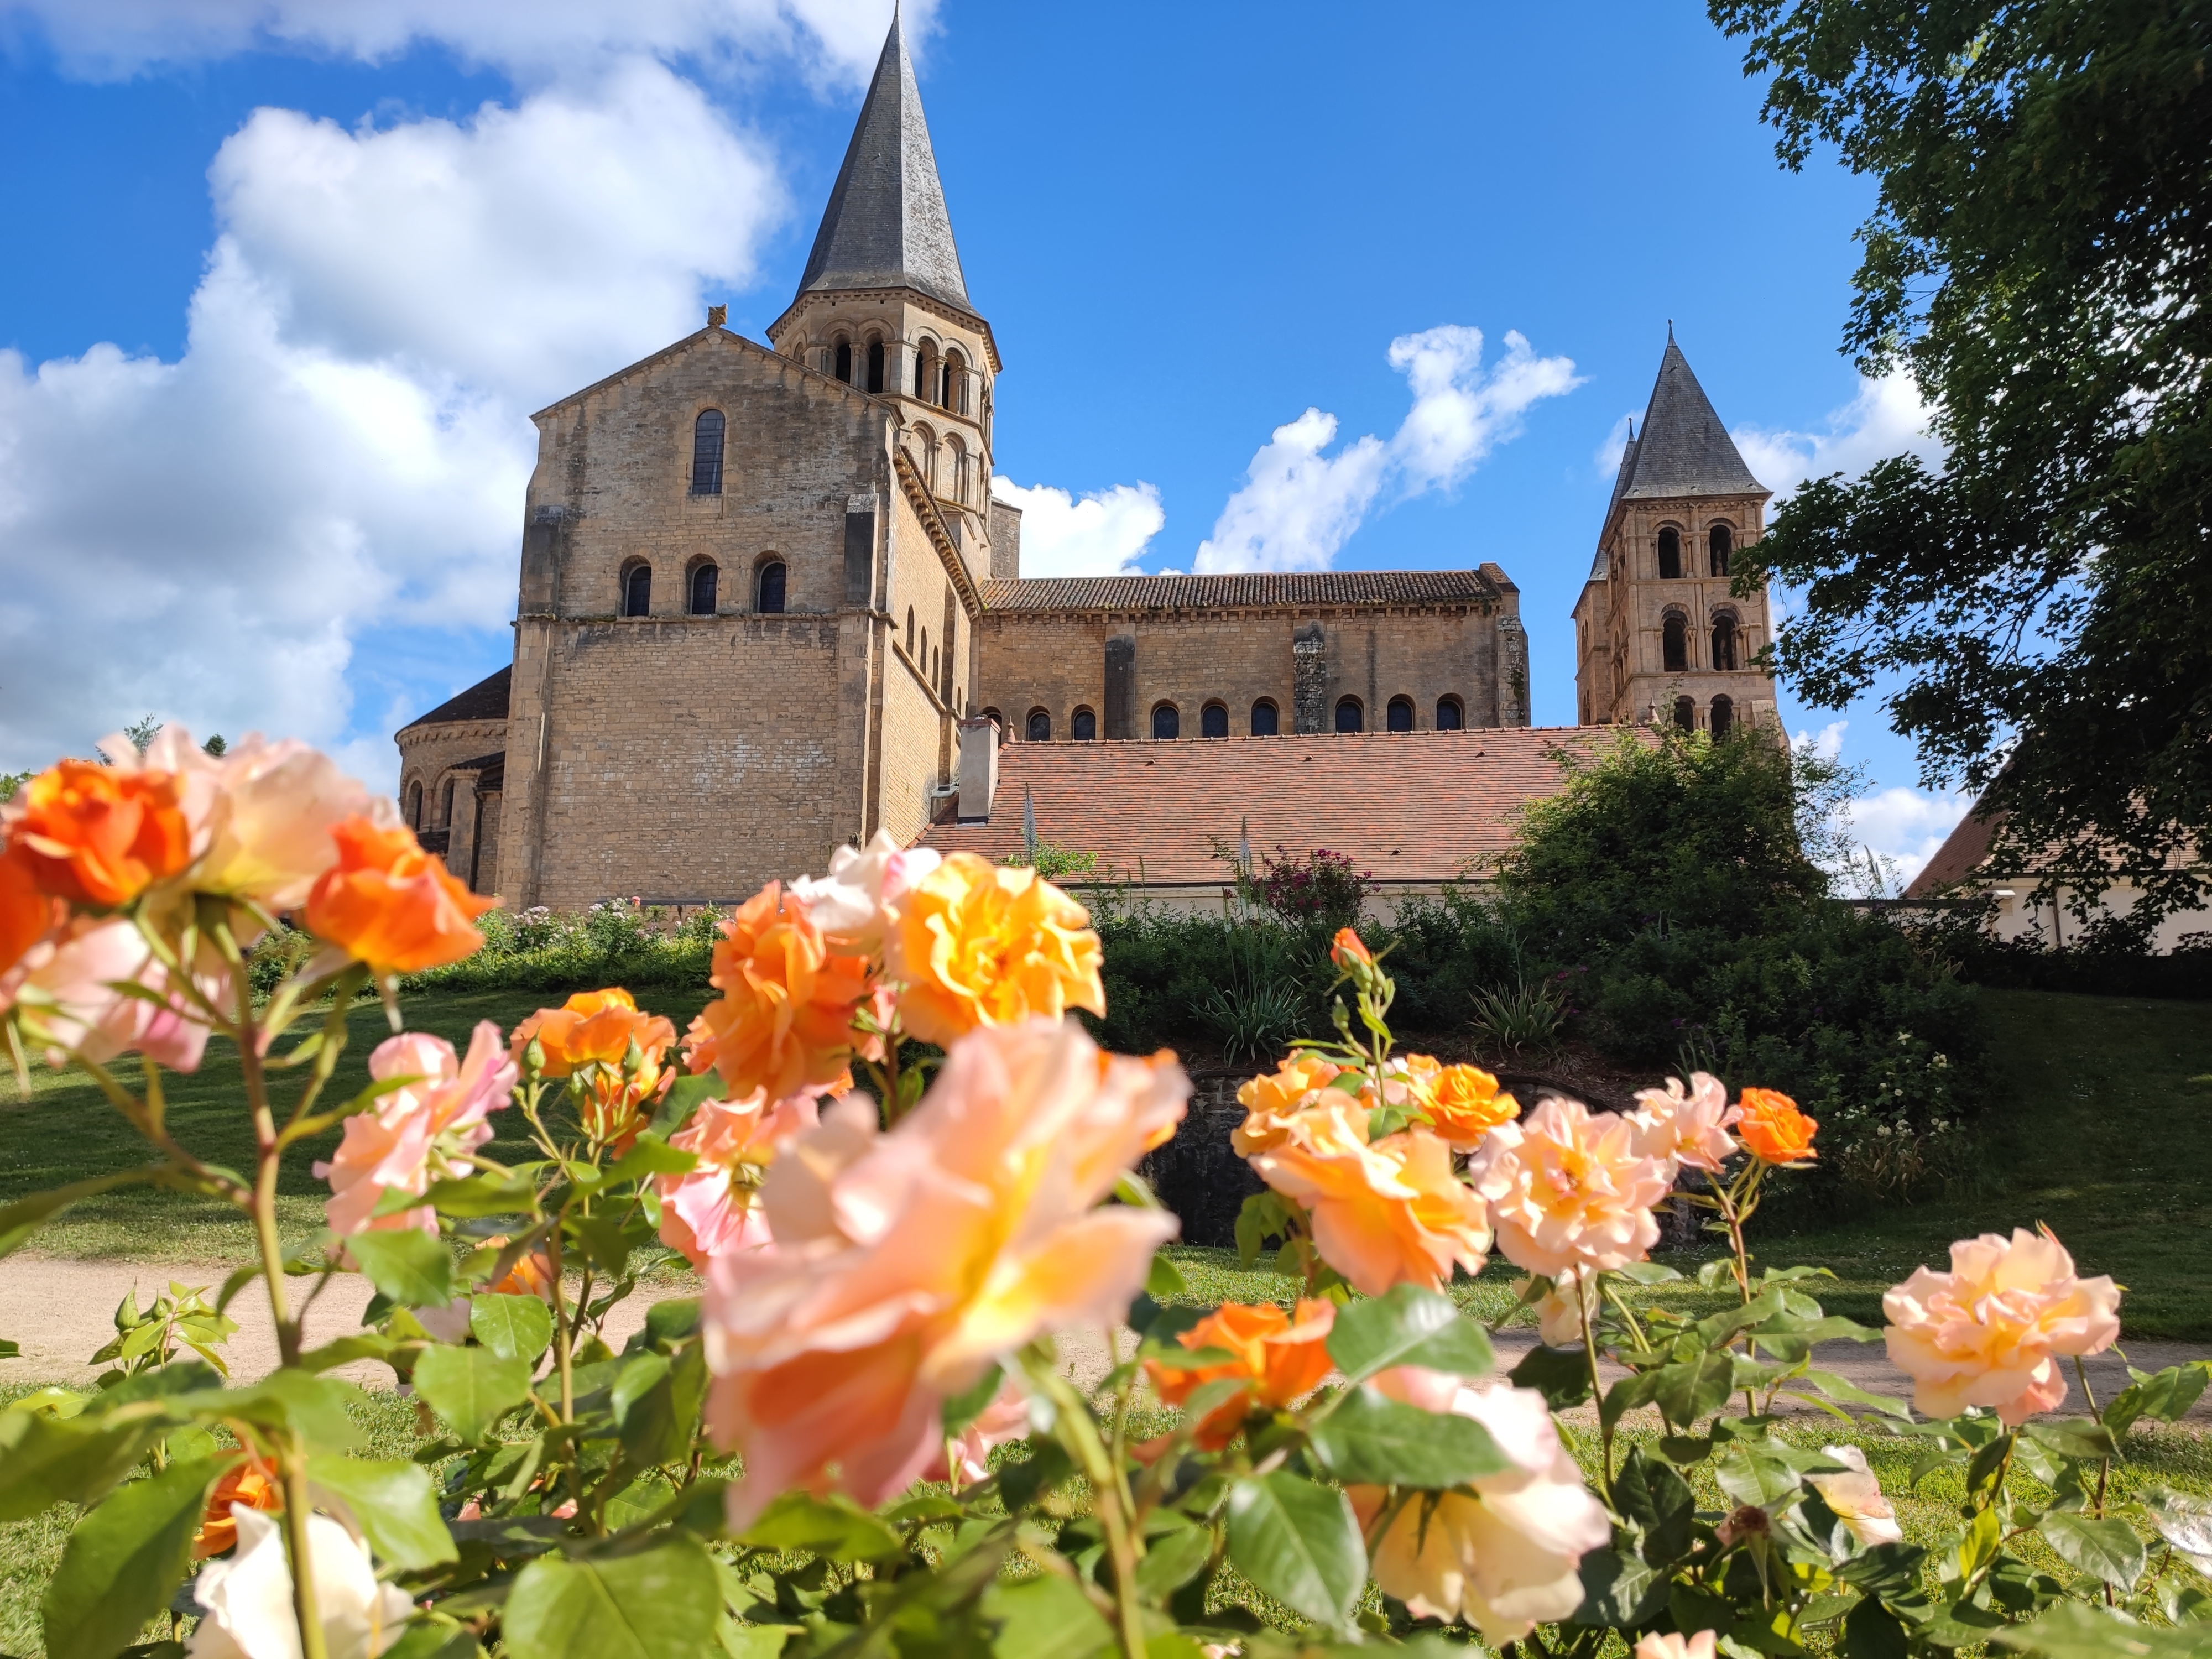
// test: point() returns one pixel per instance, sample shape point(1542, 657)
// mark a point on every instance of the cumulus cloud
point(114, 38)
point(1902, 828)
point(1299, 505)
point(343, 445)
point(1103, 534)
point(1888, 417)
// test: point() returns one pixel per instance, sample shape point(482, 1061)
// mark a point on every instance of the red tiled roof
point(1208, 592)
point(1419, 806)
point(1962, 854)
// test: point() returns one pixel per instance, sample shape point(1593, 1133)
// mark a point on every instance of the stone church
point(768, 604)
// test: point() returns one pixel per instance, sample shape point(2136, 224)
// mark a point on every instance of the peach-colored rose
point(69, 980)
point(1389, 1213)
point(784, 1022)
point(965, 1458)
point(1690, 1129)
point(978, 944)
point(1856, 1499)
point(98, 834)
point(249, 1482)
point(1773, 1129)
point(1504, 1558)
point(855, 904)
point(714, 1208)
point(1568, 1189)
point(1559, 1310)
point(1270, 1102)
point(271, 810)
point(1672, 1645)
point(905, 1263)
point(1991, 1331)
point(416, 1133)
point(587, 1040)
point(1279, 1360)
point(386, 902)
point(1348, 951)
point(1464, 1102)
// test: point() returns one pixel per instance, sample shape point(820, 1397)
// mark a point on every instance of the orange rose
point(784, 1023)
point(391, 905)
point(249, 1482)
point(978, 944)
point(99, 834)
point(1773, 1129)
point(27, 915)
point(532, 1275)
point(1279, 1359)
point(1466, 1104)
point(1348, 949)
point(592, 1027)
point(1272, 1103)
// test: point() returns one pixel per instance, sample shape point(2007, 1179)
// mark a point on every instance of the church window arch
point(445, 805)
point(1213, 720)
point(415, 805)
point(637, 589)
point(1350, 715)
point(957, 468)
point(1670, 554)
point(1398, 715)
point(925, 444)
point(841, 361)
point(1267, 718)
point(1723, 717)
point(1451, 715)
point(1675, 643)
point(1724, 640)
point(1720, 542)
point(909, 630)
point(768, 584)
point(955, 380)
point(926, 370)
point(705, 586)
point(707, 453)
point(1083, 726)
point(1040, 725)
point(875, 363)
point(951, 645)
point(1685, 713)
point(1167, 722)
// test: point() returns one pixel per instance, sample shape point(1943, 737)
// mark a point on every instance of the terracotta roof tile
point(1410, 807)
point(486, 700)
point(1208, 592)
point(1961, 853)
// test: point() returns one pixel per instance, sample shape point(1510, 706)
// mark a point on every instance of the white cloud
point(1828, 745)
point(1888, 417)
point(1607, 460)
point(1904, 826)
point(114, 38)
point(1298, 506)
point(1103, 534)
point(343, 446)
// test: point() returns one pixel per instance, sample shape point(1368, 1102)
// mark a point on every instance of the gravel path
point(60, 1312)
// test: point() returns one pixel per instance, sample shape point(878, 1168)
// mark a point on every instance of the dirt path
point(62, 1312)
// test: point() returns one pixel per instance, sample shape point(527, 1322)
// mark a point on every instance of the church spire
point(1684, 450)
point(886, 224)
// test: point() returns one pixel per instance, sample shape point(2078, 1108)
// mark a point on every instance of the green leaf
point(2184, 1521)
point(603, 1242)
point(1620, 1591)
point(1750, 1473)
point(470, 1387)
point(1660, 1502)
point(46, 1460)
point(1173, 1560)
point(2110, 1549)
point(2074, 1630)
point(1845, 1392)
point(669, 1322)
point(317, 1407)
point(686, 1096)
point(1163, 1279)
point(1047, 1617)
point(395, 1504)
point(1560, 1375)
point(433, 1637)
point(1377, 1441)
point(1697, 1388)
point(481, 1195)
point(833, 1527)
point(1298, 1542)
point(660, 1602)
point(10, 1349)
point(2166, 1395)
point(1871, 1631)
point(412, 1267)
point(18, 1220)
point(2073, 1437)
point(1637, 1388)
point(124, 1561)
point(1407, 1325)
point(650, 1154)
point(964, 1407)
point(511, 1327)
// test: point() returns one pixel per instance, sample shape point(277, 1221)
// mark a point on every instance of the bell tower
point(1658, 633)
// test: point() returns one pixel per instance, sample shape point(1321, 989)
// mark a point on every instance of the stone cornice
point(940, 535)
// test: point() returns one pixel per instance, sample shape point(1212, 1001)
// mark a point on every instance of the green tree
point(2038, 260)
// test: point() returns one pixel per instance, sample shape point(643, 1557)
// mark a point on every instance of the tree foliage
point(2038, 260)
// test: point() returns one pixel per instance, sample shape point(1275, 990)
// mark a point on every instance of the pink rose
point(965, 1458)
point(1689, 1129)
point(418, 1132)
point(69, 981)
point(852, 904)
point(714, 1208)
point(1568, 1187)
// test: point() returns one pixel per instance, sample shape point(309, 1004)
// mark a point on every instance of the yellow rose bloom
point(978, 944)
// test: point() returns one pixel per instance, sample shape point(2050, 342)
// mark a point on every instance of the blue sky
point(283, 281)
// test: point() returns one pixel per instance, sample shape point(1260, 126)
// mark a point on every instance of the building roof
point(486, 700)
point(1210, 593)
point(1684, 450)
point(886, 225)
point(1405, 806)
point(1963, 852)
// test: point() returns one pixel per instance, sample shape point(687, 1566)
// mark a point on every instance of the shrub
point(1323, 887)
point(612, 942)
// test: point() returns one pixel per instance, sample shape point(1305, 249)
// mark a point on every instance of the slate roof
point(1684, 450)
point(1206, 593)
point(1407, 806)
point(886, 225)
point(486, 700)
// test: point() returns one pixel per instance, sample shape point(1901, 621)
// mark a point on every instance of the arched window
point(925, 443)
point(1719, 544)
point(1213, 720)
point(1674, 643)
point(705, 580)
point(1167, 722)
point(1670, 554)
point(1399, 714)
point(1082, 726)
point(445, 804)
point(843, 360)
point(1724, 641)
point(1350, 716)
point(925, 369)
point(1450, 716)
point(638, 591)
point(768, 589)
point(1685, 713)
point(875, 365)
point(1723, 717)
point(1040, 727)
point(960, 486)
point(415, 805)
point(706, 453)
point(909, 630)
point(956, 382)
point(952, 647)
point(936, 669)
point(1266, 721)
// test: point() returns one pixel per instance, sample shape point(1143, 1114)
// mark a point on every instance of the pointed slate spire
point(1684, 450)
point(886, 225)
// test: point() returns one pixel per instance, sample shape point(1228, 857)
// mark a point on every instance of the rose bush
point(901, 1169)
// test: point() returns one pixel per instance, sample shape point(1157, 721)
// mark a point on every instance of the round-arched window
point(1401, 713)
point(706, 579)
point(1719, 544)
point(1350, 716)
point(638, 591)
point(1167, 722)
point(707, 453)
point(1082, 726)
point(1040, 727)
point(1675, 643)
point(1724, 641)
point(1670, 554)
point(1267, 720)
point(768, 589)
point(1450, 716)
point(1723, 717)
point(1213, 721)
point(415, 805)
point(1685, 713)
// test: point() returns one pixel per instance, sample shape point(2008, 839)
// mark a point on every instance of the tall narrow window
point(875, 365)
point(1450, 717)
point(767, 592)
point(706, 453)
point(1082, 726)
point(1670, 554)
point(844, 362)
point(1723, 717)
point(638, 591)
point(952, 647)
point(704, 580)
point(1719, 544)
point(1685, 713)
point(445, 805)
point(1167, 723)
point(1724, 641)
point(1401, 713)
point(959, 473)
point(415, 806)
point(1040, 727)
point(1213, 721)
point(956, 383)
point(1267, 720)
point(909, 630)
point(1675, 643)
point(1350, 716)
